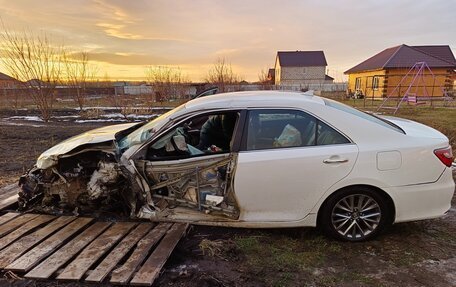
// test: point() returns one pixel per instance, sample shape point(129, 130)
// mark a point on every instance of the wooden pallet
point(8, 196)
point(84, 249)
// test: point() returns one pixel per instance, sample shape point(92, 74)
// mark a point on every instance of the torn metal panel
point(204, 185)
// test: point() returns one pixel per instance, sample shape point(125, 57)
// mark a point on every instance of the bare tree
point(265, 80)
point(79, 72)
point(168, 82)
point(36, 61)
point(222, 75)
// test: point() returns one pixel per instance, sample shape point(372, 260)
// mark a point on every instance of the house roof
point(441, 51)
point(328, 78)
point(301, 58)
point(405, 56)
point(5, 77)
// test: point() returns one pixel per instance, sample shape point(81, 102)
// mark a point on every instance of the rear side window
point(327, 135)
point(363, 115)
point(271, 129)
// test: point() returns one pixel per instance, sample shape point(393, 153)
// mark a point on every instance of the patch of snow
point(26, 118)
point(5, 123)
point(129, 116)
point(99, 121)
point(66, 117)
point(135, 116)
point(112, 115)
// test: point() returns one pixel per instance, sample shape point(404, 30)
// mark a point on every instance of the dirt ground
point(408, 254)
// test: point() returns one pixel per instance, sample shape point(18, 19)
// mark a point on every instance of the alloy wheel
point(356, 216)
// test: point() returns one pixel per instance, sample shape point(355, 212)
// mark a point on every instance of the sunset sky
point(123, 37)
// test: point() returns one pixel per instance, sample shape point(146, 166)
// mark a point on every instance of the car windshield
point(144, 132)
point(364, 115)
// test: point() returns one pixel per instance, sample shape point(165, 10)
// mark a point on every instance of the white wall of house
point(299, 76)
point(302, 75)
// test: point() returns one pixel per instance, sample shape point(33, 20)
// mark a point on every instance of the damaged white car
point(252, 159)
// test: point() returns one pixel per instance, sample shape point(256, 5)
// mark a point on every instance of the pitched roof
point(328, 78)
point(301, 58)
point(405, 56)
point(441, 51)
point(5, 77)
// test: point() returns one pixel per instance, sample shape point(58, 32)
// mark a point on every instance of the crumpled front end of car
point(88, 182)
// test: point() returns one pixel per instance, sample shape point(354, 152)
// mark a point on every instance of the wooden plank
point(15, 223)
point(8, 195)
point(79, 266)
point(22, 245)
point(113, 258)
point(124, 273)
point(8, 216)
point(37, 221)
point(8, 201)
point(8, 189)
point(45, 248)
point(152, 267)
point(51, 264)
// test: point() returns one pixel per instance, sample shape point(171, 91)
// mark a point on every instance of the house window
point(357, 84)
point(375, 83)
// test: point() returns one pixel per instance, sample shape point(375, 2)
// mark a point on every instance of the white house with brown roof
point(301, 68)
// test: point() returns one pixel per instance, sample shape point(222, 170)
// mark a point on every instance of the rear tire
point(355, 214)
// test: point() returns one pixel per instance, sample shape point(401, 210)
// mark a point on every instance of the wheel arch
point(383, 193)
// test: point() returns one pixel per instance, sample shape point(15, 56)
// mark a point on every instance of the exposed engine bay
point(95, 183)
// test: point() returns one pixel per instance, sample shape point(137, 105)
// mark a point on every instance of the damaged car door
point(190, 168)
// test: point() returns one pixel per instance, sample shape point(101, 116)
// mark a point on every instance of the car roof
point(255, 99)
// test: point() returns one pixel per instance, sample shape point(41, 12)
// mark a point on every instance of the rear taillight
point(445, 155)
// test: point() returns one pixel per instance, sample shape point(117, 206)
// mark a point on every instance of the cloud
point(124, 35)
point(115, 30)
point(119, 58)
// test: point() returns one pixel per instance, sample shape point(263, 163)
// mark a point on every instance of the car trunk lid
point(415, 129)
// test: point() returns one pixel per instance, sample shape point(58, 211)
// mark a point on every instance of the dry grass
point(439, 117)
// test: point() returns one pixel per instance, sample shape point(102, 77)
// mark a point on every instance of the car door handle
point(335, 160)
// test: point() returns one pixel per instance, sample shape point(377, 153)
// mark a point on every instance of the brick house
point(384, 73)
point(301, 68)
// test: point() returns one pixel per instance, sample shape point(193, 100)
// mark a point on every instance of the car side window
point(278, 128)
point(200, 135)
point(268, 129)
point(328, 136)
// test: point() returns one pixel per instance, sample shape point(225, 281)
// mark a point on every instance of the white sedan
point(253, 159)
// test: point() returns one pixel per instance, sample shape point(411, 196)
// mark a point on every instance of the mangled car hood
point(104, 134)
